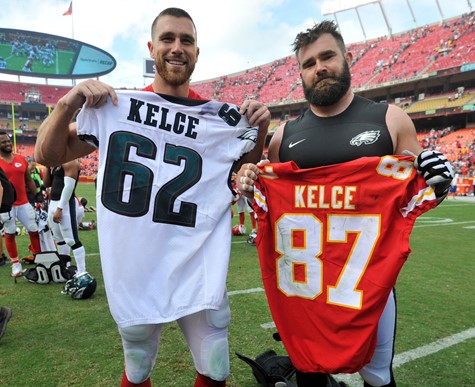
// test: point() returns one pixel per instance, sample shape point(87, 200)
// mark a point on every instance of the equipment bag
point(271, 370)
point(49, 268)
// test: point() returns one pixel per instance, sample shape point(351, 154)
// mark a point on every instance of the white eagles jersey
point(163, 199)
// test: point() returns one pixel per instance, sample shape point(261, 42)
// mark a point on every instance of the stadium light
point(332, 7)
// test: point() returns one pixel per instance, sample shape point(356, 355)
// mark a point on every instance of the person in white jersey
point(156, 161)
point(62, 217)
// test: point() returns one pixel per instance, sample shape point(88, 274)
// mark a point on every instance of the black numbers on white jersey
point(127, 184)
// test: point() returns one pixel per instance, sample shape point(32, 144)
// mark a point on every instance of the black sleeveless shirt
point(57, 183)
point(361, 130)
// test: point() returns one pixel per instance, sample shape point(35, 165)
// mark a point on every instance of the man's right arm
point(57, 140)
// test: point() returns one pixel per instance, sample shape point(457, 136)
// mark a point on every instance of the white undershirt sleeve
point(68, 189)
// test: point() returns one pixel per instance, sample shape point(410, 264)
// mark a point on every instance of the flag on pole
point(70, 9)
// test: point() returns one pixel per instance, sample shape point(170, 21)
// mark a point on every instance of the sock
point(204, 381)
point(241, 218)
point(63, 248)
point(80, 258)
point(35, 242)
point(10, 244)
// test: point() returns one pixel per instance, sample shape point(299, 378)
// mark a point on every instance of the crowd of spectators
point(457, 145)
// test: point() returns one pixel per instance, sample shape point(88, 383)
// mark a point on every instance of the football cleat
point(81, 286)
point(251, 238)
point(30, 260)
point(17, 270)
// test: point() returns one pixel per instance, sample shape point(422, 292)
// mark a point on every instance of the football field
point(53, 340)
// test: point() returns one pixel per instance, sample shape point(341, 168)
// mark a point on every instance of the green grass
point(62, 63)
point(53, 340)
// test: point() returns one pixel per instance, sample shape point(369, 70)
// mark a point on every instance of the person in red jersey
point(337, 128)
point(16, 168)
point(175, 52)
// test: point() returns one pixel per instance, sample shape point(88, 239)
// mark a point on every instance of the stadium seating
point(386, 59)
point(415, 52)
point(15, 92)
point(441, 102)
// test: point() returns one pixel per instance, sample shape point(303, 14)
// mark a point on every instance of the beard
point(174, 78)
point(328, 90)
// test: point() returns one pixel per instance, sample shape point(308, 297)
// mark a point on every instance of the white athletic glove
point(436, 170)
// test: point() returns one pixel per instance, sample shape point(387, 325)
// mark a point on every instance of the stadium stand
point(408, 54)
point(447, 101)
point(422, 62)
point(15, 92)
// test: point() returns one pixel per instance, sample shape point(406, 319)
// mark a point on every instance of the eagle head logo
point(367, 138)
point(250, 134)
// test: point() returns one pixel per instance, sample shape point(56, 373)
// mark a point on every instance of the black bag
point(49, 268)
point(269, 369)
point(9, 194)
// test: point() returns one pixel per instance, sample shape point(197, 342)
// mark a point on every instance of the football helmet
point(81, 286)
point(239, 229)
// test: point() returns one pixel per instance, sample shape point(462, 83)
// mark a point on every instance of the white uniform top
point(163, 198)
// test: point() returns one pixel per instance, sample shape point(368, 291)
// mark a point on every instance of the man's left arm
point(29, 182)
point(71, 169)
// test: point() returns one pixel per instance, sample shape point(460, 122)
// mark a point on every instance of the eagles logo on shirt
point(367, 138)
point(250, 134)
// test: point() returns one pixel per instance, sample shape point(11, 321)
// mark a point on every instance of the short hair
point(309, 36)
point(172, 11)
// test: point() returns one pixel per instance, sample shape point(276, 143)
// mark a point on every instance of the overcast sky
point(232, 35)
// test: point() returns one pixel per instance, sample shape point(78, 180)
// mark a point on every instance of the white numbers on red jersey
point(300, 243)
point(397, 169)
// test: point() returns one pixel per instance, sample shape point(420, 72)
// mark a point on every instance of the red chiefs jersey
point(15, 172)
point(331, 242)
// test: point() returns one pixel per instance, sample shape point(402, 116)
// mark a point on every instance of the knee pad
point(215, 358)
point(219, 318)
point(140, 345)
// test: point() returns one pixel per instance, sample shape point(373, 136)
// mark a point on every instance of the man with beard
point(17, 171)
point(143, 155)
point(339, 127)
